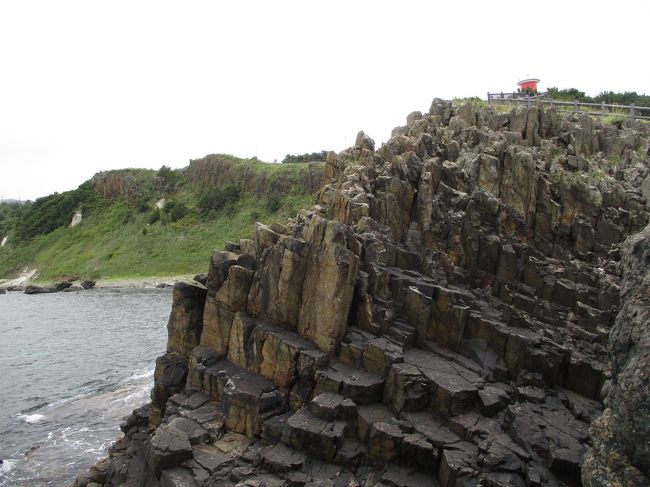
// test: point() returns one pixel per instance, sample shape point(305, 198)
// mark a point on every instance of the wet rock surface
point(441, 317)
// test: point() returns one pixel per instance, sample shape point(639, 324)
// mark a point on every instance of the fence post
point(602, 107)
point(632, 111)
point(577, 109)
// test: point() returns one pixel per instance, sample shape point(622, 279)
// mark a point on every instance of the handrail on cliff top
point(630, 111)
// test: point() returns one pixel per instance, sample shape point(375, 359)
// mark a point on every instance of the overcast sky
point(87, 86)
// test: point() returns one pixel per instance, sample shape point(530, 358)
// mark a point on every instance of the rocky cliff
point(621, 449)
point(441, 317)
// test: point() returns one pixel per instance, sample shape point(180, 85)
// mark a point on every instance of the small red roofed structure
point(528, 84)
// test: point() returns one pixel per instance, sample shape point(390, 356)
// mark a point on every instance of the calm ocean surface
point(72, 365)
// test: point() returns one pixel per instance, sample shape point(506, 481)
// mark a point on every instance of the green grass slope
point(124, 235)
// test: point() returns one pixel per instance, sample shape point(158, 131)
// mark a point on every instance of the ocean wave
point(142, 374)
point(135, 377)
point(137, 395)
point(31, 418)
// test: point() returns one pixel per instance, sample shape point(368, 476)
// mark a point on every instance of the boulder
point(167, 448)
point(36, 289)
point(88, 283)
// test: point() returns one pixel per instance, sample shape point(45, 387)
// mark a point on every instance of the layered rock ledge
point(441, 317)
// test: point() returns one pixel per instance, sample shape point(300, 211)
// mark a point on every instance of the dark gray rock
point(195, 433)
point(87, 283)
point(209, 457)
point(623, 430)
point(492, 400)
point(36, 289)
point(279, 458)
point(167, 448)
point(177, 477)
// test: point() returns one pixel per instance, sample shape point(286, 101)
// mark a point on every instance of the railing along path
point(598, 109)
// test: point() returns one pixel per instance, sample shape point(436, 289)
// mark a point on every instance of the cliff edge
point(440, 317)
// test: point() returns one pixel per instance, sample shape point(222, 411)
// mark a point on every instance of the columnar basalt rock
point(186, 319)
point(440, 317)
point(621, 450)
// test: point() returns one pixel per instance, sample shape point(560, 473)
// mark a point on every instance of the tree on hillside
point(567, 94)
point(166, 178)
point(609, 97)
point(306, 157)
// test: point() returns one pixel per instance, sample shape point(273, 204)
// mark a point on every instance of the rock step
point(318, 437)
point(507, 339)
point(428, 380)
point(372, 436)
point(361, 386)
point(364, 350)
point(402, 334)
point(245, 399)
point(329, 406)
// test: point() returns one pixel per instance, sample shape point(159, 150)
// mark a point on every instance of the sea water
point(72, 365)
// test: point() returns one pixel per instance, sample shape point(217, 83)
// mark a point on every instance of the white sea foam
point(31, 418)
point(136, 376)
point(138, 395)
point(7, 465)
point(143, 374)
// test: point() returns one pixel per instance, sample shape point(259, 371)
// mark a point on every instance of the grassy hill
point(147, 223)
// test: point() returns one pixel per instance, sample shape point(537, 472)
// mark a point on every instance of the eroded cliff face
point(621, 451)
point(440, 317)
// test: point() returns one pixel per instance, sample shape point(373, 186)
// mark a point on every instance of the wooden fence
point(598, 109)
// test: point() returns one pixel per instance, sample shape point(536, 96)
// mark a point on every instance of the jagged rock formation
point(441, 317)
point(621, 451)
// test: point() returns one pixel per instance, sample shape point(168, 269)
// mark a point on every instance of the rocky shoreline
point(441, 317)
point(80, 285)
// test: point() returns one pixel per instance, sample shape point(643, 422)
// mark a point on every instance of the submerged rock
point(36, 289)
point(54, 288)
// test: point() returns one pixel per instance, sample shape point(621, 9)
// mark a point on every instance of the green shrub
point(307, 157)
point(607, 97)
point(154, 216)
point(614, 159)
point(143, 206)
point(273, 202)
point(167, 179)
point(217, 198)
point(175, 210)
